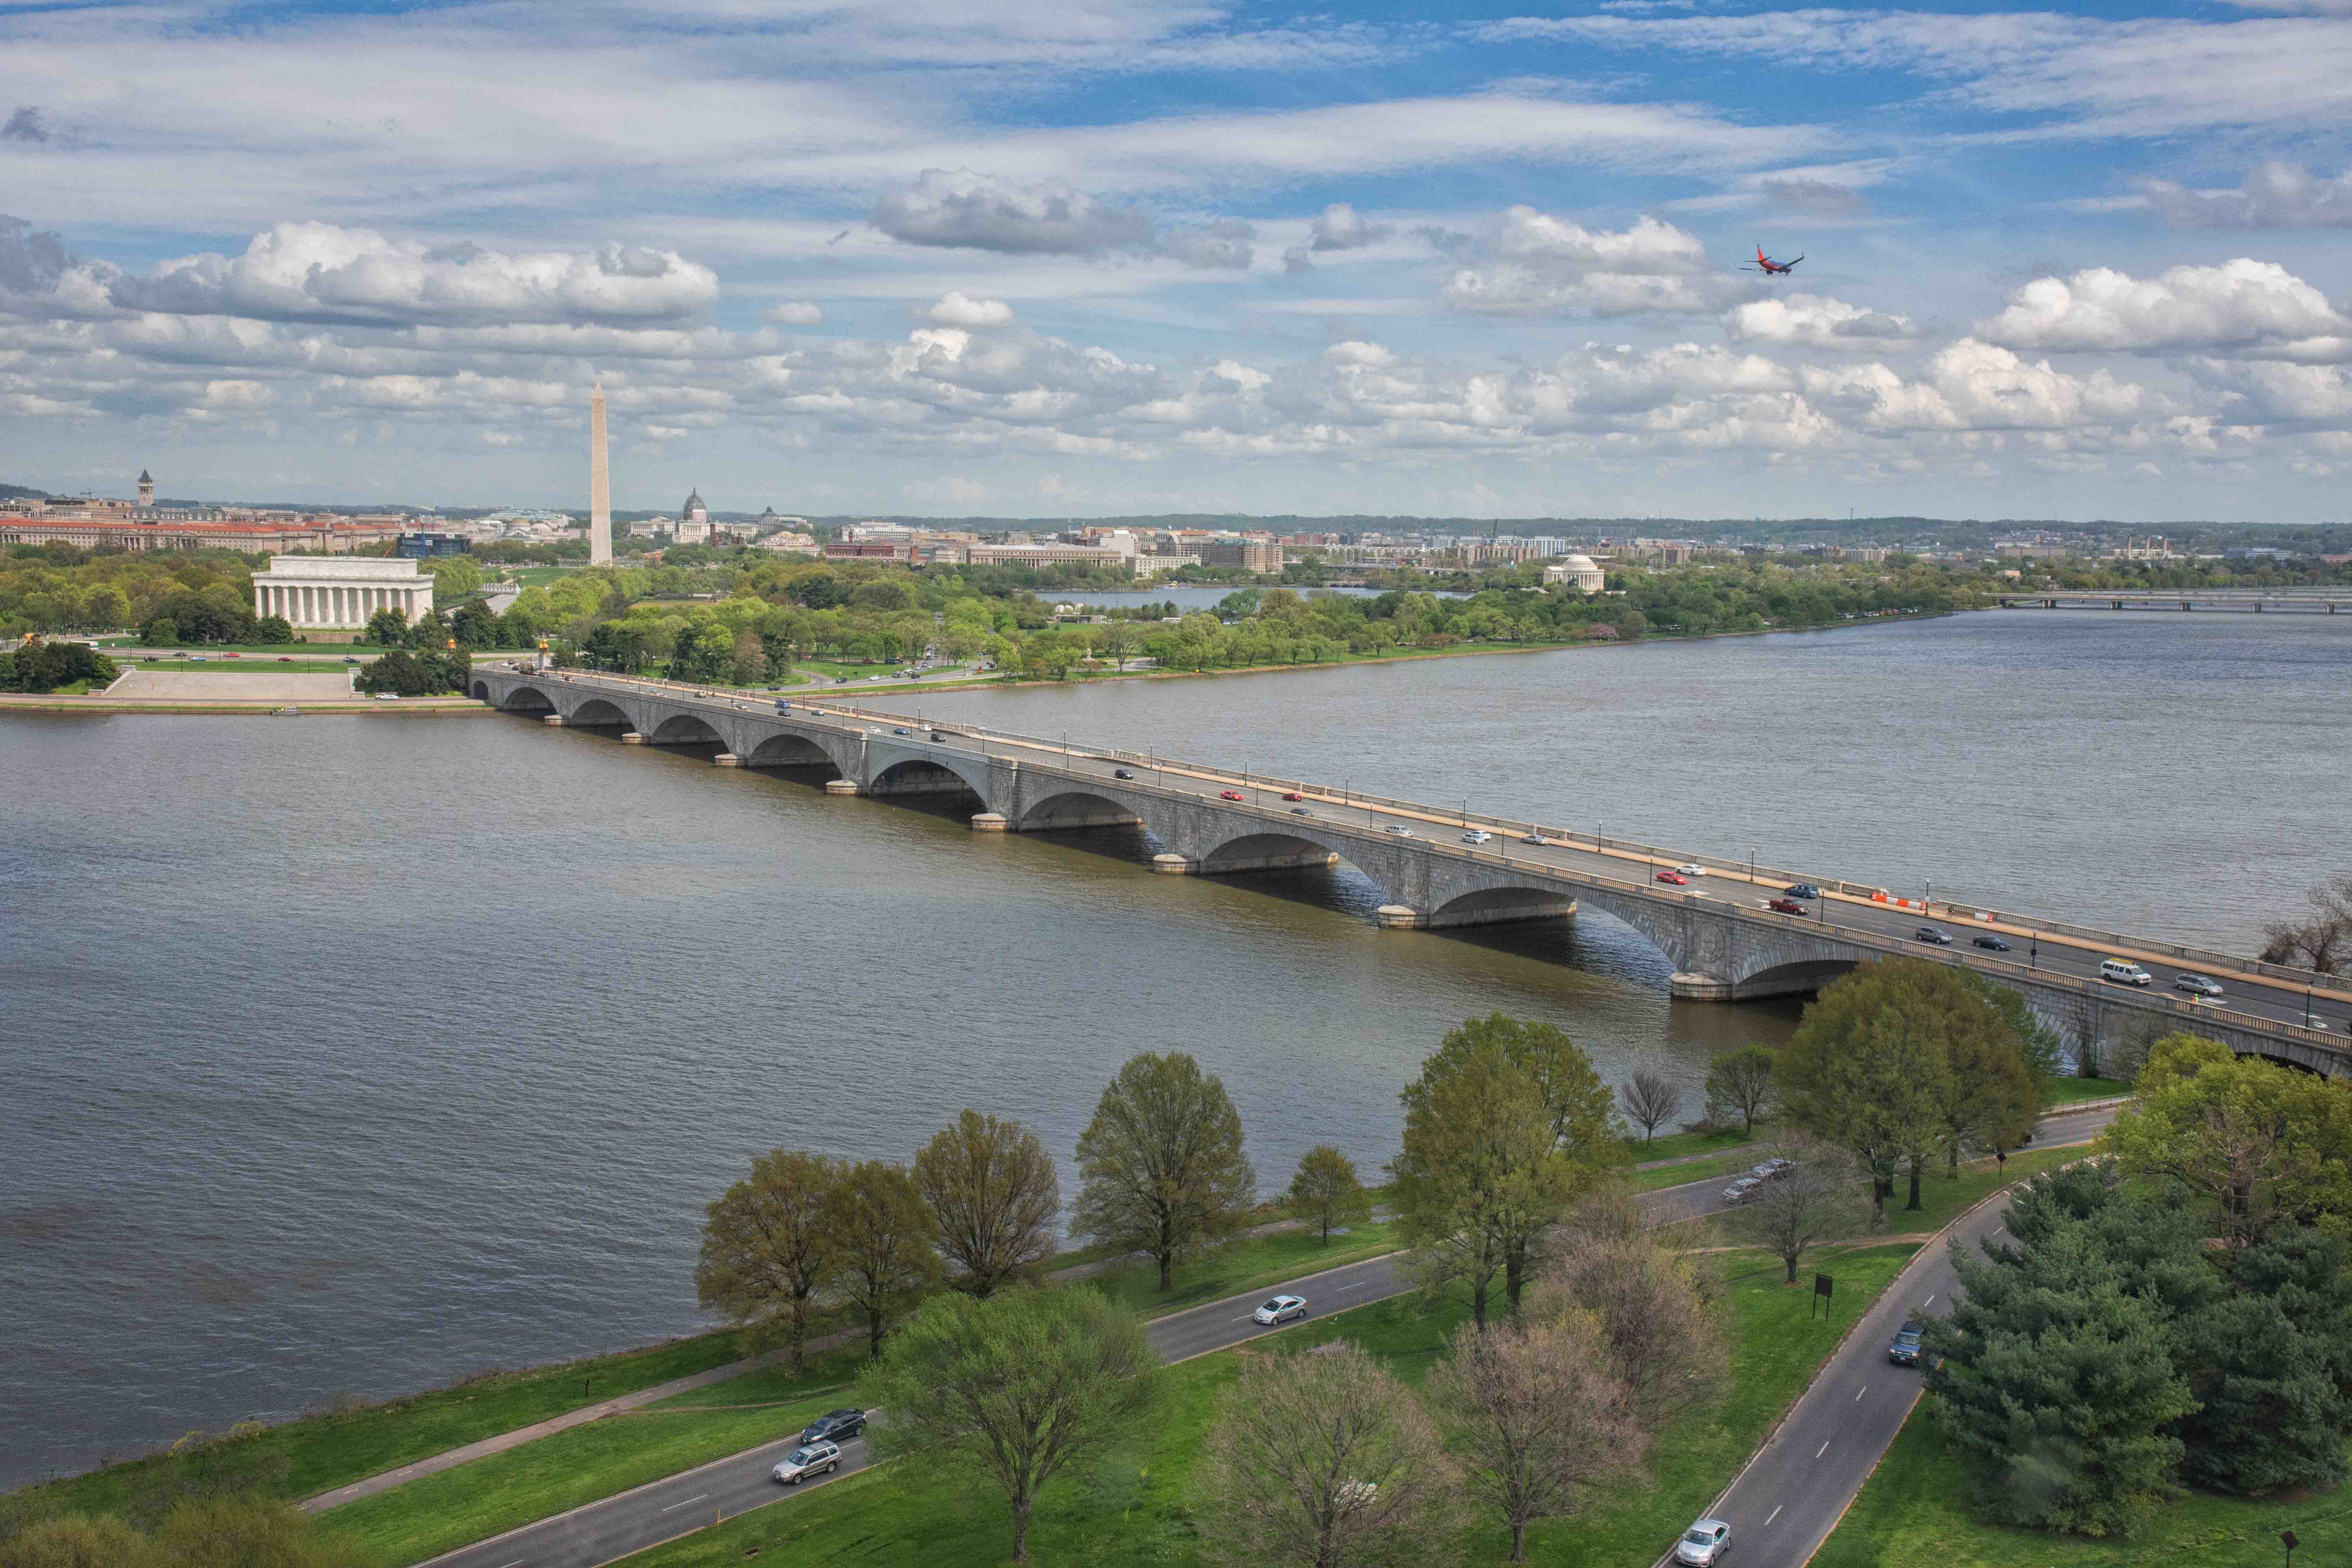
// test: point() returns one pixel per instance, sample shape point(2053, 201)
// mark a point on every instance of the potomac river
point(342, 1055)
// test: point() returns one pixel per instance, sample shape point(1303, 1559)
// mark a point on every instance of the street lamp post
point(2306, 1007)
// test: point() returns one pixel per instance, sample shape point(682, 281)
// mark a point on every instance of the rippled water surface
point(357, 1054)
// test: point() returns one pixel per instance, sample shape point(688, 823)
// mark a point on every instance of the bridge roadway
point(1724, 943)
point(2237, 601)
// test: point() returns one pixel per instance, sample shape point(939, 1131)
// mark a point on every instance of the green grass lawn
point(327, 1450)
point(438, 1513)
point(1245, 1264)
point(1133, 1507)
point(1914, 1514)
point(2074, 1091)
point(1697, 1170)
point(1675, 1146)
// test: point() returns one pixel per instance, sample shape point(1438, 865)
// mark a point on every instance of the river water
point(356, 1054)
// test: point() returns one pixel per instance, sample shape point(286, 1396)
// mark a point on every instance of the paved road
point(2254, 997)
point(631, 1521)
point(1784, 1505)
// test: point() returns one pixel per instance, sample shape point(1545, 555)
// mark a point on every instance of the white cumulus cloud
point(1543, 264)
point(956, 309)
point(792, 313)
point(2243, 305)
point(2275, 196)
point(1340, 227)
point(1816, 321)
point(965, 208)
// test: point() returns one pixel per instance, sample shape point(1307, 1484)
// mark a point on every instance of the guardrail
point(2198, 957)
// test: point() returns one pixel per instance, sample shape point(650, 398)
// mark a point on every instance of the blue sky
point(943, 257)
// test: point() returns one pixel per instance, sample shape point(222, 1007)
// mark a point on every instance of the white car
point(1692, 870)
point(809, 1459)
point(387, 697)
point(1400, 831)
point(1476, 836)
point(1704, 1544)
point(1280, 1310)
point(1743, 1190)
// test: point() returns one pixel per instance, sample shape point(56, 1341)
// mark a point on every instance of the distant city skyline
point(1153, 256)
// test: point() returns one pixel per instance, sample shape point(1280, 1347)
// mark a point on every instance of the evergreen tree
point(2273, 1370)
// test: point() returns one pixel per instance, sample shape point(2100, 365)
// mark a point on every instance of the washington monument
point(600, 483)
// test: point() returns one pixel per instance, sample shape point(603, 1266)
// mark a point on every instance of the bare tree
point(991, 1187)
point(1740, 1084)
point(767, 1247)
point(2322, 944)
point(1650, 1100)
point(1818, 1198)
point(1654, 1316)
point(1323, 1460)
point(1165, 1173)
point(1537, 1417)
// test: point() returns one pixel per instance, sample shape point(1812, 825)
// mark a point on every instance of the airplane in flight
point(1766, 265)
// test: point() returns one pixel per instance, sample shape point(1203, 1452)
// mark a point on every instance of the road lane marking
point(1820, 1451)
point(698, 1497)
point(1929, 1303)
point(1863, 1390)
point(1775, 1514)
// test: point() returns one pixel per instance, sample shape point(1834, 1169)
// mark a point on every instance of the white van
point(2123, 972)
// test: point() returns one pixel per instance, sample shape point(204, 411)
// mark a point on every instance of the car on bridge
point(1292, 795)
point(1536, 839)
point(1935, 935)
point(1804, 890)
point(1692, 868)
point(2124, 972)
point(1674, 877)
point(900, 729)
point(1300, 811)
point(1476, 836)
point(1120, 773)
point(2196, 986)
point(1990, 943)
point(809, 1459)
point(1400, 830)
point(1229, 795)
point(1785, 907)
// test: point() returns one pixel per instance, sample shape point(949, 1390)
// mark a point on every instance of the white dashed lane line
point(1775, 1514)
point(1820, 1451)
point(703, 1497)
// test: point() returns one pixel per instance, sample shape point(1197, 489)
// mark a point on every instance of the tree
point(1650, 1100)
point(990, 1188)
point(72, 1541)
point(385, 628)
point(1818, 1198)
point(163, 632)
point(767, 1247)
point(1653, 1313)
point(274, 630)
point(1480, 1176)
point(2271, 1367)
point(1865, 1070)
point(2322, 944)
point(1740, 1084)
point(1162, 1163)
point(1535, 1416)
point(2266, 1143)
point(242, 1532)
point(881, 1237)
point(410, 675)
point(1322, 1459)
point(1326, 1194)
point(1582, 1111)
point(1020, 1386)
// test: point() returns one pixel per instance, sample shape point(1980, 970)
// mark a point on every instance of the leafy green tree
point(1481, 1175)
point(163, 632)
point(881, 1237)
point(1580, 1110)
point(2272, 1370)
point(1740, 1084)
point(1867, 1071)
point(992, 1193)
point(242, 1532)
point(1162, 1163)
point(2267, 1145)
point(385, 628)
point(39, 666)
point(72, 1541)
point(707, 654)
point(769, 1247)
point(1326, 1192)
point(1324, 1461)
point(274, 630)
point(429, 632)
point(1019, 1387)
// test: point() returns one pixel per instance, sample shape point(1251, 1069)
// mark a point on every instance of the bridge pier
point(1405, 917)
point(843, 787)
point(1313, 857)
point(990, 822)
point(632, 738)
point(554, 718)
point(1698, 989)
point(727, 759)
point(1174, 865)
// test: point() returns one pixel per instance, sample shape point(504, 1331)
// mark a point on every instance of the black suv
point(1904, 1350)
point(835, 1426)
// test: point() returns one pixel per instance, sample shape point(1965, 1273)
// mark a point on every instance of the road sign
point(1822, 1285)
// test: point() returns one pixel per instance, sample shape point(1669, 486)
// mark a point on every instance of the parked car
point(1903, 1350)
point(1692, 870)
point(387, 697)
point(808, 1459)
point(835, 1426)
point(1741, 1190)
point(1934, 935)
point(1674, 877)
point(1476, 836)
point(1804, 890)
point(1293, 795)
point(284, 658)
point(1774, 1169)
point(1990, 943)
point(1120, 773)
point(348, 658)
point(1228, 794)
point(1280, 1310)
point(2196, 986)
point(2124, 972)
point(1785, 907)
point(1704, 1544)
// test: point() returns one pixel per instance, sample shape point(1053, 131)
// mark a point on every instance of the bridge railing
point(2198, 957)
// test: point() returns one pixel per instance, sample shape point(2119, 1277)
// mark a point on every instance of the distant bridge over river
point(1437, 868)
point(2239, 601)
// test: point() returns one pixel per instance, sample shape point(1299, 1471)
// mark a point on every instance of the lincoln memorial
point(339, 591)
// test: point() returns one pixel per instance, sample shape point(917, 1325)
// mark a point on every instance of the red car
point(1228, 794)
point(1675, 877)
point(1785, 907)
point(1294, 794)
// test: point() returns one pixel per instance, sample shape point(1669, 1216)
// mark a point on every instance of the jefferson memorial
point(340, 590)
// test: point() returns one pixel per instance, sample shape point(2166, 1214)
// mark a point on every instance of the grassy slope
point(2058, 1092)
point(1240, 1265)
point(1673, 1145)
point(1132, 1508)
point(1914, 1514)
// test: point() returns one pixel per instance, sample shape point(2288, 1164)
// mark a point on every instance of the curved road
point(676, 1505)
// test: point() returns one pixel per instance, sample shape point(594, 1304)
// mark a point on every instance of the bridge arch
point(1802, 975)
point(481, 691)
point(528, 700)
point(1073, 809)
point(597, 713)
point(789, 750)
point(685, 730)
point(1494, 905)
point(925, 773)
point(1272, 849)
